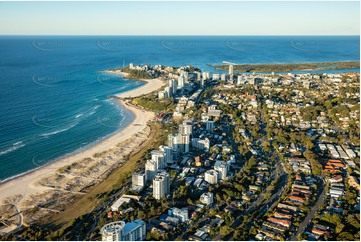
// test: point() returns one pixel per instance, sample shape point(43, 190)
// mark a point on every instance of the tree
point(352, 220)
point(212, 213)
point(141, 214)
point(225, 230)
point(345, 236)
point(266, 146)
point(311, 157)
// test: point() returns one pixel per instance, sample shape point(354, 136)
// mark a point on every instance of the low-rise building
point(207, 198)
point(181, 214)
point(211, 176)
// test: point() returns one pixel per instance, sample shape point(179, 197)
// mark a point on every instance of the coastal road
point(311, 214)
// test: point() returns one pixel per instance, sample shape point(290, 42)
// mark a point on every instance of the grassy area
point(287, 67)
point(115, 180)
point(151, 103)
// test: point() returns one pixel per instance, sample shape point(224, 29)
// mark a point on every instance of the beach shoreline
point(27, 184)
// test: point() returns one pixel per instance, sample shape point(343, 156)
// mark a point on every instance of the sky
point(180, 18)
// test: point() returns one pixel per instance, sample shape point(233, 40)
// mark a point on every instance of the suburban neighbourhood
point(247, 157)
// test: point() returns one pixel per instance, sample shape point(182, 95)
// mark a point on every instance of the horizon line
point(179, 35)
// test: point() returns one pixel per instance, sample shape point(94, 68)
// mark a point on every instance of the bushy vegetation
point(290, 66)
point(151, 103)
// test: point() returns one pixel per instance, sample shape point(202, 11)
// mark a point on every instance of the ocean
point(53, 97)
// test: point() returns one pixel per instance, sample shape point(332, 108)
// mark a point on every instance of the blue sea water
point(53, 97)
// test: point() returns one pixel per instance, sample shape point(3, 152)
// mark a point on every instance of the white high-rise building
point(173, 141)
point(150, 169)
point(239, 80)
point(161, 94)
point(231, 77)
point(186, 127)
point(201, 144)
point(223, 77)
point(159, 157)
point(181, 214)
point(205, 75)
point(161, 185)
point(198, 75)
point(175, 85)
point(230, 70)
point(138, 180)
point(186, 77)
point(171, 86)
point(112, 231)
point(211, 176)
point(121, 231)
point(168, 154)
point(183, 143)
point(222, 168)
point(182, 79)
point(209, 125)
point(168, 92)
point(215, 76)
point(207, 198)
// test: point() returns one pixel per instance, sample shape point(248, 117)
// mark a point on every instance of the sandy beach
point(152, 85)
point(33, 184)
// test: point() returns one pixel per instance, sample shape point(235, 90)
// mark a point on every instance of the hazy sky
point(180, 18)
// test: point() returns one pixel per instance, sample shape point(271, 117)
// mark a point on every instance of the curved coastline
point(26, 184)
point(78, 150)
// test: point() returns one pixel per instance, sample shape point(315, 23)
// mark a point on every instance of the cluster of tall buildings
point(166, 155)
point(224, 76)
point(180, 80)
point(160, 179)
point(154, 172)
point(121, 231)
point(174, 85)
point(170, 90)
